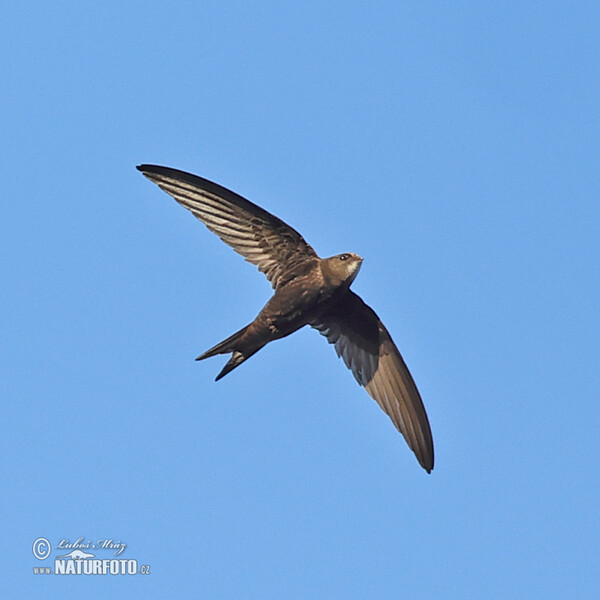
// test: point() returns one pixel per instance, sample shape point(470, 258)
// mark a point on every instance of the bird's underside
point(308, 290)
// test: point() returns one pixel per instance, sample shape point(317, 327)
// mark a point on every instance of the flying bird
point(308, 290)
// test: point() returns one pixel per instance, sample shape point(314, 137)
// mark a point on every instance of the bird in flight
point(308, 291)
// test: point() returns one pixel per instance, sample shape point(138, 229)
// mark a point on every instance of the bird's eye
point(344, 256)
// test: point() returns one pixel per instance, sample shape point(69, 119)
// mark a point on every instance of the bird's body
point(308, 290)
point(297, 302)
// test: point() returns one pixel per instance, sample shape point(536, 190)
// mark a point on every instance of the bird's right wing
point(260, 237)
point(367, 349)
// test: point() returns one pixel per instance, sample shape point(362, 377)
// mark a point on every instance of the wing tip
point(426, 459)
point(148, 170)
point(145, 169)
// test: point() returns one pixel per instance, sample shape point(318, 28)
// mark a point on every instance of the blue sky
point(455, 146)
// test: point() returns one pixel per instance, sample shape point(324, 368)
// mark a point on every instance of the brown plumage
point(308, 291)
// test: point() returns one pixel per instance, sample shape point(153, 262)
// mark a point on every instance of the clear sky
point(454, 145)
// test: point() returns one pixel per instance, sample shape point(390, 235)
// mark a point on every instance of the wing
point(260, 237)
point(364, 343)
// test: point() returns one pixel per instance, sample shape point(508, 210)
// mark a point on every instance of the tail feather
point(224, 347)
point(237, 358)
point(240, 350)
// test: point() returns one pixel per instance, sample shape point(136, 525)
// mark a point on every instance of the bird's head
point(341, 268)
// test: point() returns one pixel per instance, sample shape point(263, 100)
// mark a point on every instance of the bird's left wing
point(260, 237)
point(367, 349)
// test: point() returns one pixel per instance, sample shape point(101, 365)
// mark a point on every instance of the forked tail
point(239, 344)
